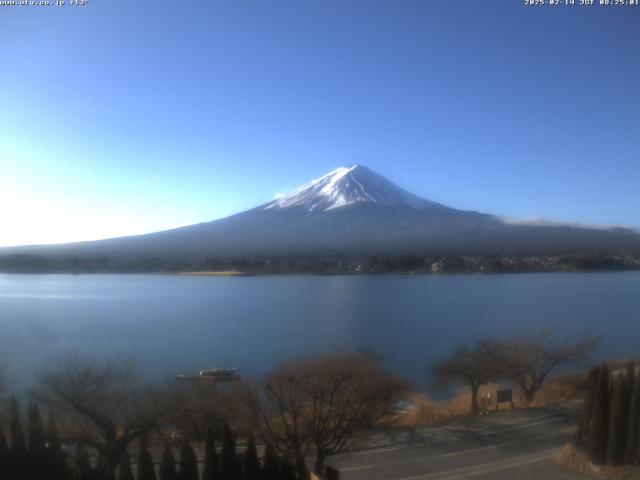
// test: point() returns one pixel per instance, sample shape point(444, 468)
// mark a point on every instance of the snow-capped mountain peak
point(348, 186)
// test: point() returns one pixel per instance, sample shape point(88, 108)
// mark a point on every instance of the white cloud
point(543, 222)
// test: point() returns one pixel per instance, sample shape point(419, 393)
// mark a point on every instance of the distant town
point(342, 264)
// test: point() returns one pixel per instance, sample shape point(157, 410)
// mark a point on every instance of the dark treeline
point(36, 453)
point(112, 425)
point(610, 426)
point(324, 264)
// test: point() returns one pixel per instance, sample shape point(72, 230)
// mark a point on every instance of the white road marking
point(506, 466)
point(500, 445)
point(353, 469)
point(488, 467)
point(379, 450)
point(471, 450)
point(527, 425)
point(462, 452)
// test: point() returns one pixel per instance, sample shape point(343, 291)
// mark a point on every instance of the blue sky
point(122, 117)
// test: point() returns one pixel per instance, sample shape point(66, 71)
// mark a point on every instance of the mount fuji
point(349, 186)
point(351, 210)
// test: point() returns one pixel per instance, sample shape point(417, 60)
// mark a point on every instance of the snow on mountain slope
point(348, 186)
point(350, 210)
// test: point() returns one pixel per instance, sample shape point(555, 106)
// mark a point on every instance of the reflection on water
point(48, 296)
point(171, 324)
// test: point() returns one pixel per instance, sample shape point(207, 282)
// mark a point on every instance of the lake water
point(172, 324)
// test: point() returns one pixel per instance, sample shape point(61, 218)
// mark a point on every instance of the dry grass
point(429, 411)
point(426, 411)
point(561, 388)
point(573, 458)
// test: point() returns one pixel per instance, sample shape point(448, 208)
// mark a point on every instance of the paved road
point(506, 445)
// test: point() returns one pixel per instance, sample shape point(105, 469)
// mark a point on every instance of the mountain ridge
point(351, 210)
point(350, 185)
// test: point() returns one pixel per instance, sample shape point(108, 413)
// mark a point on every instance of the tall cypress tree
point(18, 443)
point(631, 373)
point(82, 467)
point(124, 468)
point(251, 463)
point(168, 465)
point(270, 464)
point(5, 456)
point(587, 411)
point(287, 472)
point(211, 461)
point(632, 455)
point(102, 469)
point(146, 470)
point(188, 462)
point(19, 464)
point(599, 429)
point(38, 467)
point(56, 458)
point(35, 430)
point(229, 464)
point(619, 424)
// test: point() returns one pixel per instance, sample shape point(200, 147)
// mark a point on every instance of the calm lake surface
point(172, 324)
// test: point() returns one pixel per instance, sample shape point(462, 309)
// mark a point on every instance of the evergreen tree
point(35, 430)
point(633, 442)
point(146, 470)
point(18, 444)
point(631, 374)
point(188, 462)
point(229, 464)
point(251, 463)
point(19, 463)
point(211, 461)
point(619, 423)
point(587, 411)
point(631, 383)
point(37, 464)
point(56, 458)
point(168, 465)
point(101, 471)
point(5, 456)
point(599, 429)
point(270, 464)
point(82, 467)
point(124, 468)
point(287, 471)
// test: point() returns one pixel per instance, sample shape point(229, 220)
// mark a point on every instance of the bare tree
point(316, 404)
point(474, 366)
point(200, 409)
point(530, 359)
point(102, 405)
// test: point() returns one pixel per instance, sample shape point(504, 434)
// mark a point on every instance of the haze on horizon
point(121, 118)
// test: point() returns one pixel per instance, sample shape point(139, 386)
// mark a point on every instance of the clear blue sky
point(128, 116)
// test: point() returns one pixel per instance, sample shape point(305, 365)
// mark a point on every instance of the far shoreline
point(235, 273)
point(210, 273)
